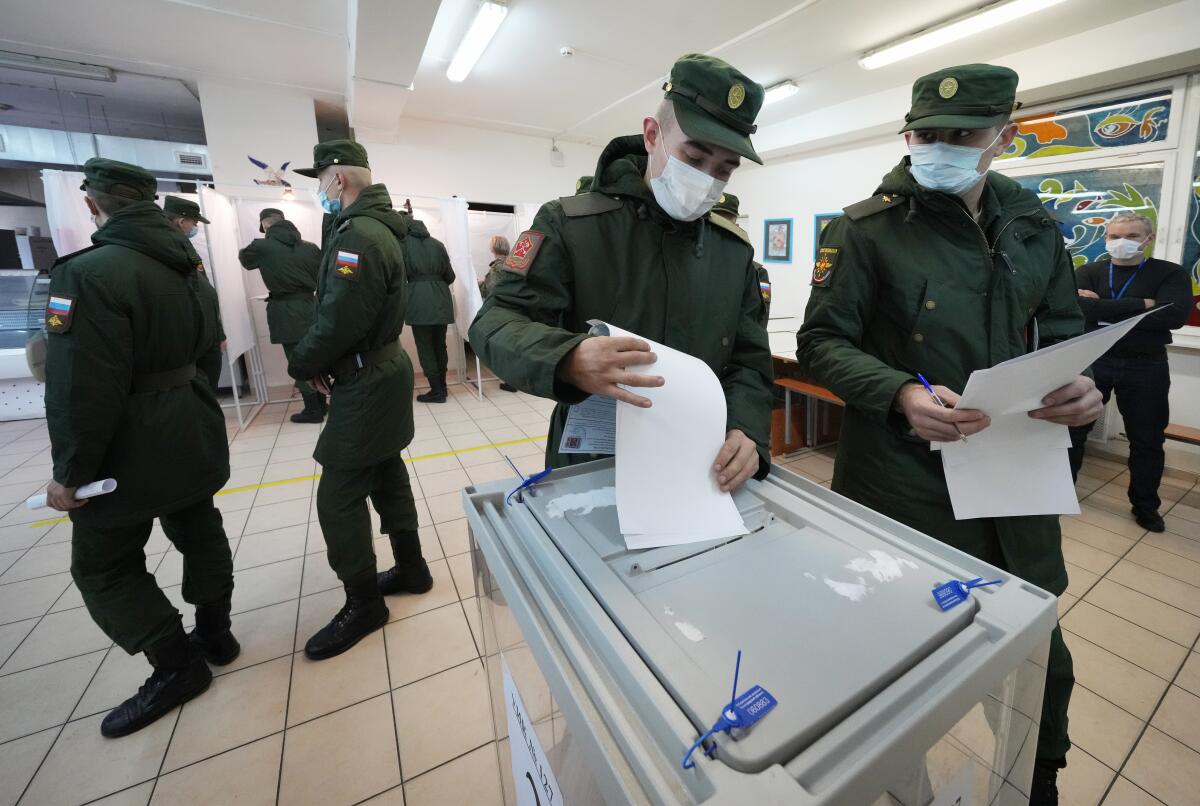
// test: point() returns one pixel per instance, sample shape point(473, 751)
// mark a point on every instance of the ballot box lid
point(828, 603)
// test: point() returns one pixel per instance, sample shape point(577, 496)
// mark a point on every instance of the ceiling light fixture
point(487, 21)
point(288, 195)
point(56, 67)
point(960, 28)
point(777, 92)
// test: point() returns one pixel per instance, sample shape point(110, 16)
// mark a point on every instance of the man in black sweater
point(1124, 284)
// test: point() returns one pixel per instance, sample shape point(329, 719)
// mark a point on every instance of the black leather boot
point(212, 636)
point(410, 574)
point(1044, 789)
point(437, 390)
point(507, 387)
point(363, 614)
point(314, 409)
point(179, 675)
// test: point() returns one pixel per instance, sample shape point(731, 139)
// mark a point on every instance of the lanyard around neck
point(1121, 293)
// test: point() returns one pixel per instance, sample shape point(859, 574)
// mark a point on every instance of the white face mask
point(1123, 248)
point(685, 193)
point(948, 168)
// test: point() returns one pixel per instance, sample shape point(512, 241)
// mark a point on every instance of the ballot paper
point(92, 490)
point(591, 427)
point(667, 493)
point(1019, 465)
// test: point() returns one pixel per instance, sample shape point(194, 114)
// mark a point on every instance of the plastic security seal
point(953, 593)
point(741, 712)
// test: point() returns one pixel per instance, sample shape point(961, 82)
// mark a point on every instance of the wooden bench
point(809, 390)
point(1179, 433)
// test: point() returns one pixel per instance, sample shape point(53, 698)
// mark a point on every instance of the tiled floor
point(404, 716)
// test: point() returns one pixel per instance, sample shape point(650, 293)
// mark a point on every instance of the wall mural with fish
point(1123, 122)
point(1083, 200)
point(1191, 241)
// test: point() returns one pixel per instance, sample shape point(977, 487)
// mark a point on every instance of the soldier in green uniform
point(354, 348)
point(185, 216)
point(499, 247)
point(289, 269)
point(430, 304)
point(946, 270)
point(640, 251)
point(125, 328)
point(725, 214)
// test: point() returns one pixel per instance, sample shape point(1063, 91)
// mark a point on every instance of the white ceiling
point(623, 48)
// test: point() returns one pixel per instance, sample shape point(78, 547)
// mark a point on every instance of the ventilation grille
point(189, 159)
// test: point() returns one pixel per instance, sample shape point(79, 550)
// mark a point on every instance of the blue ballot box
point(605, 665)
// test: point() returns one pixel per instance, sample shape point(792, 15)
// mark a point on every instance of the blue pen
point(938, 400)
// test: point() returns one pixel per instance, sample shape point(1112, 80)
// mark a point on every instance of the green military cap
point(970, 96)
point(583, 184)
point(715, 103)
point(119, 179)
point(728, 203)
point(335, 152)
point(173, 205)
point(267, 212)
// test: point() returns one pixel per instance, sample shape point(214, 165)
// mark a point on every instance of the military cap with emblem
point(119, 179)
point(583, 184)
point(267, 212)
point(715, 103)
point(335, 152)
point(970, 96)
point(728, 203)
point(173, 205)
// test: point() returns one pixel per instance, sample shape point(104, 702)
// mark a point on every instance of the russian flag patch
point(59, 311)
point(346, 265)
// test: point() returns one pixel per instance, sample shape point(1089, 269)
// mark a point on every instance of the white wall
point(13, 217)
point(442, 160)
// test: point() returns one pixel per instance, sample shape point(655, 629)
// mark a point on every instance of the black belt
point(290, 295)
point(350, 364)
point(162, 381)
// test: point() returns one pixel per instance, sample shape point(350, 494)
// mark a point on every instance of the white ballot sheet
point(667, 493)
point(1018, 465)
point(591, 427)
point(95, 488)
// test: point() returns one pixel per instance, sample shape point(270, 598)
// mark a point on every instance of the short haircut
point(270, 221)
point(108, 202)
point(357, 177)
point(1146, 223)
point(499, 245)
point(665, 115)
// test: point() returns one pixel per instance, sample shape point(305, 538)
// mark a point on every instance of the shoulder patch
point(524, 251)
point(345, 265)
point(823, 268)
point(728, 226)
point(60, 310)
point(589, 204)
point(873, 205)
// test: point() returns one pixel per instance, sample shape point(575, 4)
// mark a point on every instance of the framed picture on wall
point(820, 222)
point(777, 240)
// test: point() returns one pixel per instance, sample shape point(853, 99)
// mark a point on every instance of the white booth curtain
point(71, 224)
point(223, 243)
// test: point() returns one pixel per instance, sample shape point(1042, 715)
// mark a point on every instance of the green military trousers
point(345, 521)
point(108, 565)
point(431, 349)
point(306, 391)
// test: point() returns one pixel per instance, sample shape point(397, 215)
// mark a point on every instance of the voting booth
point(606, 665)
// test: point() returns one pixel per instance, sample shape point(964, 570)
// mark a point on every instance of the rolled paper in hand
point(86, 491)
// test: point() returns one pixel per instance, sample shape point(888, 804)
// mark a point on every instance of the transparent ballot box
point(605, 665)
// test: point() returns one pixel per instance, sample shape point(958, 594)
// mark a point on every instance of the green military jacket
point(361, 294)
point(210, 362)
point(429, 276)
point(289, 269)
point(491, 278)
point(908, 282)
point(613, 254)
point(764, 279)
point(134, 308)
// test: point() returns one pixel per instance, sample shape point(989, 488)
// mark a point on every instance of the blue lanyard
point(1118, 295)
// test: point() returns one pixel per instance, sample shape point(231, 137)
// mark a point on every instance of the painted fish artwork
point(1123, 122)
point(1191, 243)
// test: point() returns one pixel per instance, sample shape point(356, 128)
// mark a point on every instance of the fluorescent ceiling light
point(968, 25)
point(487, 21)
point(777, 92)
point(55, 67)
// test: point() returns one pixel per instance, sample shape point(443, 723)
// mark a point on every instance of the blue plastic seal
point(953, 593)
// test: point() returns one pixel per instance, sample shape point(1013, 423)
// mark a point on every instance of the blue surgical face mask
point(948, 168)
point(192, 232)
point(331, 206)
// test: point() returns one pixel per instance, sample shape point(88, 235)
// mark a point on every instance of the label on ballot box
point(751, 707)
point(953, 593)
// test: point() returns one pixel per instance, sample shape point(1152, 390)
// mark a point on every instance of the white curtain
point(221, 243)
point(525, 215)
point(71, 224)
point(456, 234)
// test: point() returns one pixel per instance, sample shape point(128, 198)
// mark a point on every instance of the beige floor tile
point(31, 598)
point(1125, 793)
point(341, 758)
point(523, 448)
point(1136, 644)
point(57, 636)
point(1080, 580)
point(321, 687)
point(1160, 586)
point(1087, 557)
point(277, 516)
point(12, 634)
point(474, 439)
point(473, 778)
point(1115, 679)
point(266, 585)
point(117, 679)
point(431, 445)
point(431, 547)
point(483, 456)
point(83, 765)
point(38, 561)
point(19, 760)
point(1189, 675)
point(267, 547)
point(1175, 544)
point(461, 571)
point(1179, 717)
point(450, 481)
point(460, 428)
point(20, 537)
point(1167, 769)
point(392, 797)
point(428, 643)
point(291, 453)
point(1165, 563)
point(493, 471)
point(1102, 499)
point(318, 576)
point(456, 702)
point(1107, 520)
point(1096, 537)
point(246, 444)
point(443, 593)
point(1102, 729)
point(474, 621)
point(1185, 512)
point(248, 459)
point(1065, 603)
point(445, 507)
point(265, 634)
point(1167, 621)
point(1183, 526)
point(243, 478)
point(1084, 780)
point(316, 610)
point(436, 464)
point(235, 502)
point(238, 708)
point(455, 536)
point(247, 776)
point(288, 491)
